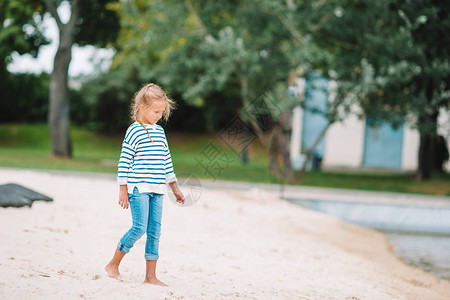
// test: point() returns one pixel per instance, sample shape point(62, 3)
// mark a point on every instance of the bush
point(24, 97)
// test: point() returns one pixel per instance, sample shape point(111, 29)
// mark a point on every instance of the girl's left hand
point(177, 192)
point(179, 195)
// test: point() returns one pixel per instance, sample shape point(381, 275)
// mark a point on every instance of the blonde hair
point(147, 96)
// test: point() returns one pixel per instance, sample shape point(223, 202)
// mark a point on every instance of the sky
point(86, 60)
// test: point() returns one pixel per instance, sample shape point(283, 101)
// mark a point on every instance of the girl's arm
point(171, 179)
point(123, 197)
point(125, 161)
point(127, 154)
point(176, 191)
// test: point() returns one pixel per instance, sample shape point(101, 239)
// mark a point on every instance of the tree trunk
point(310, 152)
point(277, 142)
point(286, 129)
point(428, 130)
point(279, 151)
point(426, 158)
point(427, 151)
point(59, 112)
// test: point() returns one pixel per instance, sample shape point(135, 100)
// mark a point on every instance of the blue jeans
point(146, 211)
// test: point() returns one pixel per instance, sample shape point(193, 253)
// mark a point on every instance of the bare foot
point(155, 281)
point(113, 271)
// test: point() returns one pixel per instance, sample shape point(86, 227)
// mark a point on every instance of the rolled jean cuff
point(122, 248)
point(151, 257)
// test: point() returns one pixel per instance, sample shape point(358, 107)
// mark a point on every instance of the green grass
point(28, 146)
point(382, 181)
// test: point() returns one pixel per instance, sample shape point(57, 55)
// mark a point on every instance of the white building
point(353, 143)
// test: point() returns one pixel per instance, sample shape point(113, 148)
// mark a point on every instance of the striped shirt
point(143, 164)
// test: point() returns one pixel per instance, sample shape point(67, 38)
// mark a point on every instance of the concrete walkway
point(332, 194)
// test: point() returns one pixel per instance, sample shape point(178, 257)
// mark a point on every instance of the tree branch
point(244, 94)
point(297, 35)
point(339, 43)
point(323, 21)
point(74, 14)
point(191, 10)
point(52, 9)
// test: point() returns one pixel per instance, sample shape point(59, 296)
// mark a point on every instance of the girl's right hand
point(123, 197)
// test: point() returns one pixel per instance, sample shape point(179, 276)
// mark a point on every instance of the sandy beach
point(230, 245)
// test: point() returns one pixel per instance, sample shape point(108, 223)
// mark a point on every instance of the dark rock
point(15, 195)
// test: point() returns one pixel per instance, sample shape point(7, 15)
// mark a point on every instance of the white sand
point(229, 245)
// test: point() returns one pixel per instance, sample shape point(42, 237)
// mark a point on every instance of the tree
point(14, 36)
point(24, 97)
point(83, 27)
point(90, 23)
point(259, 47)
point(59, 116)
point(234, 48)
point(241, 48)
point(395, 62)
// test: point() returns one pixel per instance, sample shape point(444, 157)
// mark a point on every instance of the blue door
point(382, 146)
point(316, 104)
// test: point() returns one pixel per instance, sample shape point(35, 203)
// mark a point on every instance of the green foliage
point(107, 99)
point(388, 57)
point(98, 23)
point(21, 26)
point(79, 110)
point(216, 56)
point(394, 63)
point(24, 98)
point(14, 34)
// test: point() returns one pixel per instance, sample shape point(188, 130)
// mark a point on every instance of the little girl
point(145, 166)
